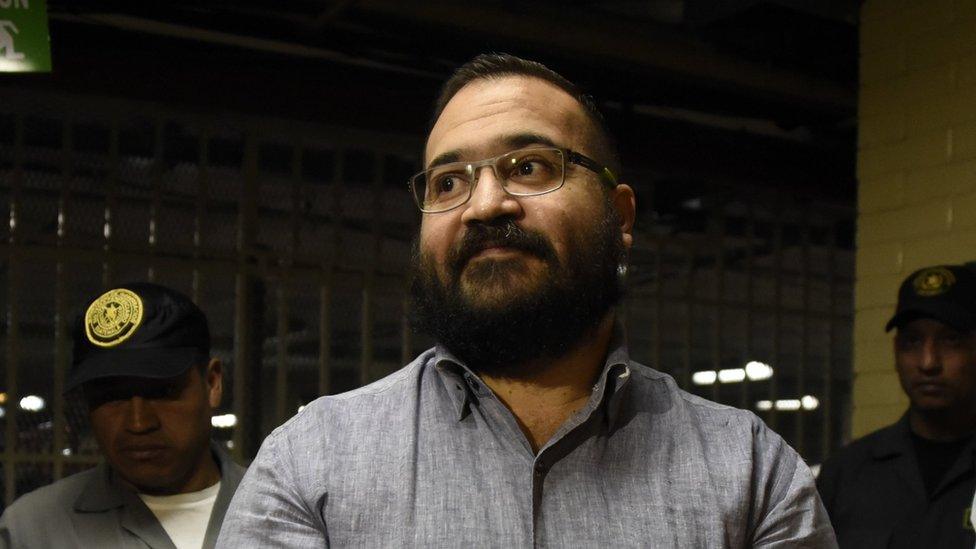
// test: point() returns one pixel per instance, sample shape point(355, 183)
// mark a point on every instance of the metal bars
point(14, 260)
point(323, 306)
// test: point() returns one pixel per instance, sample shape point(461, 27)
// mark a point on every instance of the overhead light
point(757, 371)
point(807, 402)
point(788, 404)
point(706, 377)
point(732, 375)
point(224, 421)
point(754, 371)
point(32, 403)
point(3, 398)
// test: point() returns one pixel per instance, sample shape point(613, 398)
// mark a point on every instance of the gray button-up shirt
point(430, 457)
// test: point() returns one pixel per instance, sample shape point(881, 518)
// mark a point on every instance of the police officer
point(911, 484)
point(142, 362)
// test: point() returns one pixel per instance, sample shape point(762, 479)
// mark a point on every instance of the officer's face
point(155, 432)
point(937, 366)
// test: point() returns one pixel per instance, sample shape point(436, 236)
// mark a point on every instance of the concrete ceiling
point(781, 72)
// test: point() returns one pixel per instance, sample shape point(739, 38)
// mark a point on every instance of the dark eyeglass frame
point(567, 155)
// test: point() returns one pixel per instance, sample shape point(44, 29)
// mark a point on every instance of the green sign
point(25, 45)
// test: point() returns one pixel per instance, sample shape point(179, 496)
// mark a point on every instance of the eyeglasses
point(523, 172)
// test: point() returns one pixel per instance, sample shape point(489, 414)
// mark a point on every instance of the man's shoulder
point(46, 502)
point(704, 412)
point(373, 399)
point(726, 437)
point(731, 443)
point(389, 388)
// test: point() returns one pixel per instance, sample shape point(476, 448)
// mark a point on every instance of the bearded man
point(528, 424)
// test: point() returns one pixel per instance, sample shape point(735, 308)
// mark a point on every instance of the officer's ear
point(214, 380)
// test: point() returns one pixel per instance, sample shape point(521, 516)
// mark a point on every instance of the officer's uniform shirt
point(876, 496)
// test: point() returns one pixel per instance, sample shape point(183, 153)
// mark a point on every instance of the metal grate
point(294, 238)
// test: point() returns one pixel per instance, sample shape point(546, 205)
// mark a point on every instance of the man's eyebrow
point(445, 158)
point(519, 140)
point(513, 141)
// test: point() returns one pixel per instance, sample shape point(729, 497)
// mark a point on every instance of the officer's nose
point(489, 199)
point(931, 361)
point(141, 416)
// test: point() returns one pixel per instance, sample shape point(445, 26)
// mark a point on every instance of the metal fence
point(294, 237)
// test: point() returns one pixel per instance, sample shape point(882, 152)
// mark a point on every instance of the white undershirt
point(184, 516)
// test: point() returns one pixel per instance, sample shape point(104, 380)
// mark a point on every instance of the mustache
point(504, 232)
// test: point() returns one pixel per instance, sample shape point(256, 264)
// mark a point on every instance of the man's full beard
point(518, 326)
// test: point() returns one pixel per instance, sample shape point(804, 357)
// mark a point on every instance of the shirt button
point(475, 386)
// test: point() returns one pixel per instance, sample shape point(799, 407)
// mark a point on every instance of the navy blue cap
point(138, 329)
point(946, 293)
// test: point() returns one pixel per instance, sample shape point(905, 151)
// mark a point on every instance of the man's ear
point(622, 197)
point(214, 379)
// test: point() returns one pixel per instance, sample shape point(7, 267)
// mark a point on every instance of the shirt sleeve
point(789, 512)
point(6, 540)
point(268, 509)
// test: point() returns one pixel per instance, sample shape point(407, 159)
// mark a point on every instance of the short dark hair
point(489, 66)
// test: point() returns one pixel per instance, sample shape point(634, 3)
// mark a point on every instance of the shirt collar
point(894, 440)
point(102, 492)
point(105, 491)
point(464, 387)
point(456, 377)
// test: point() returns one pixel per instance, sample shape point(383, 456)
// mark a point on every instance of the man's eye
point(446, 184)
point(527, 168)
point(532, 169)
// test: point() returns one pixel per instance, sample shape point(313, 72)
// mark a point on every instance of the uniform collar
point(895, 443)
point(894, 440)
point(104, 490)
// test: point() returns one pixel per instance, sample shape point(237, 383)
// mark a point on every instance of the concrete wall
point(916, 170)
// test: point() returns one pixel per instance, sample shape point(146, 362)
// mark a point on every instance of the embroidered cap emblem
point(113, 317)
point(933, 281)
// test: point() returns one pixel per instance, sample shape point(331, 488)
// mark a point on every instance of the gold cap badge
point(933, 281)
point(113, 317)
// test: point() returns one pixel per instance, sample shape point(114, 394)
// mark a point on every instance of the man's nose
point(489, 200)
point(141, 416)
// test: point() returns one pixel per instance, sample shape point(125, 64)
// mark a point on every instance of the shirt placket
point(542, 462)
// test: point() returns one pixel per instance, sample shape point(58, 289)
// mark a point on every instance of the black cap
point(946, 293)
point(138, 329)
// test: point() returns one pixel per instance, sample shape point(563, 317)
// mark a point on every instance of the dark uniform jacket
point(875, 495)
point(92, 509)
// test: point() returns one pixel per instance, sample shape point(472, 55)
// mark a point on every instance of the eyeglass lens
point(523, 172)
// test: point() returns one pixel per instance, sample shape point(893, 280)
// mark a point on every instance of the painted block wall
point(916, 169)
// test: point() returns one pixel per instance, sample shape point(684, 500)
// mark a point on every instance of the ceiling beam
point(603, 38)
